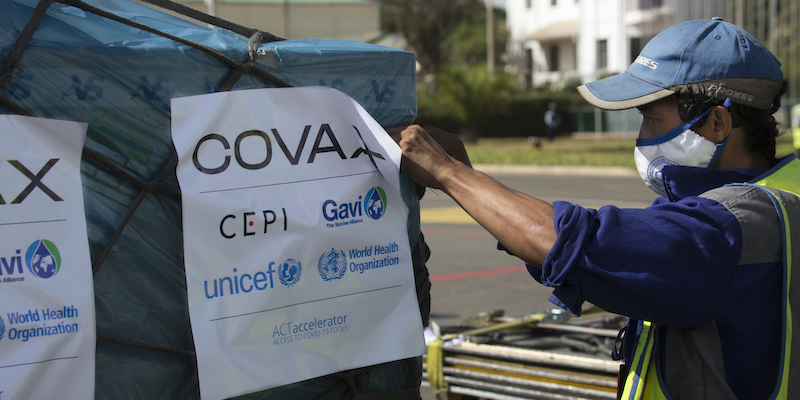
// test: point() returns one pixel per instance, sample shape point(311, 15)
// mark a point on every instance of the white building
point(555, 42)
point(560, 43)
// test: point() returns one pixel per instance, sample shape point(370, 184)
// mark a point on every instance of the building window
point(527, 3)
point(553, 58)
point(602, 54)
point(553, 2)
point(647, 4)
point(528, 64)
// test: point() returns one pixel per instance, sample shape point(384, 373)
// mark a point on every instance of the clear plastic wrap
point(83, 67)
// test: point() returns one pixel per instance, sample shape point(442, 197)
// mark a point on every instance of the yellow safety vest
point(795, 120)
point(783, 188)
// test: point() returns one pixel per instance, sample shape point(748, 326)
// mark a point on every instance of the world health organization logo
point(375, 202)
point(2, 328)
point(43, 258)
point(332, 265)
point(289, 272)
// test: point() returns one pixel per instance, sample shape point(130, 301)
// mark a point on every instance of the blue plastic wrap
point(119, 79)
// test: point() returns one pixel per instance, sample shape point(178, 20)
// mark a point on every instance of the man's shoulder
point(744, 201)
point(730, 194)
point(757, 218)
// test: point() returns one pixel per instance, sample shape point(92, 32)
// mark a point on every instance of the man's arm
point(523, 224)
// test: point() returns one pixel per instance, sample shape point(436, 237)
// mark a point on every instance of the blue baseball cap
point(701, 56)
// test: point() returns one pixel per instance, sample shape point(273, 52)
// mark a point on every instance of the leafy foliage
point(461, 103)
point(473, 94)
point(444, 32)
point(467, 43)
point(425, 24)
point(455, 92)
point(786, 34)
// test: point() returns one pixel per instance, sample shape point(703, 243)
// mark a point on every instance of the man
point(552, 120)
point(701, 271)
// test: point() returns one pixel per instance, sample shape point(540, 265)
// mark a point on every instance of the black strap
point(355, 382)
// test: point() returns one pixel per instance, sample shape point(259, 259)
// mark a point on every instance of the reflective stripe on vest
point(782, 186)
point(784, 189)
point(640, 368)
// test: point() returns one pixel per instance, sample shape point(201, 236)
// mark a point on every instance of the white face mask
point(680, 146)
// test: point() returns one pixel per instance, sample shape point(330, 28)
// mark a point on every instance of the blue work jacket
point(676, 264)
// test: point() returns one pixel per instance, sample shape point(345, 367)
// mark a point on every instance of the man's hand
point(427, 153)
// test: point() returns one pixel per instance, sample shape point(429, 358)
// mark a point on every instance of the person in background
point(552, 120)
point(705, 273)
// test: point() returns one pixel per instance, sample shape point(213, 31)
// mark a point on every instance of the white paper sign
point(296, 250)
point(47, 323)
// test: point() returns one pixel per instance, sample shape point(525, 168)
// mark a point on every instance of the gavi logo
point(11, 265)
point(373, 204)
point(43, 259)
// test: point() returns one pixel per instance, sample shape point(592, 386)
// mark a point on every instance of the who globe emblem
point(332, 265)
point(43, 258)
point(289, 272)
point(375, 202)
point(2, 328)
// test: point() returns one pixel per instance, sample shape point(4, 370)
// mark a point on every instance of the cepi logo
point(289, 272)
point(332, 265)
point(43, 258)
point(375, 202)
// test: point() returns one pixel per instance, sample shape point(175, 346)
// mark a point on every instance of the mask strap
point(673, 133)
point(724, 142)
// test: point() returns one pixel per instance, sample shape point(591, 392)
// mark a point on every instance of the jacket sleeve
point(670, 263)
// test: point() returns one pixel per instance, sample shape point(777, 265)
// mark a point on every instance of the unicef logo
point(332, 265)
point(375, 202)
point(43, 258)
point(289, 272)
point(2, 328)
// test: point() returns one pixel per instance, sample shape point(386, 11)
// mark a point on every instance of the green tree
point(467, 43)
point(444, 31)
point(449, 39)
point(424, 24)
point(471, 94)
point(788, 52)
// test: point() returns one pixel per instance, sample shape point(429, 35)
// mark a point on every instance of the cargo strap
point(353, 382)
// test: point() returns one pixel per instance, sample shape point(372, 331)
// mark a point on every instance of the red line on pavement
point(474, 274)
point(428, 232)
